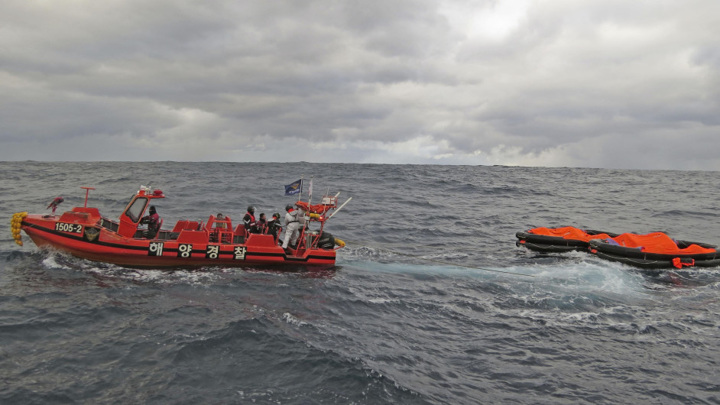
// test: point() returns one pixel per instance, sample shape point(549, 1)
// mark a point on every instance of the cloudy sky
point(589, 83)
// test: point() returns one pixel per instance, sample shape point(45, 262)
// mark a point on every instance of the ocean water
point(431, 302)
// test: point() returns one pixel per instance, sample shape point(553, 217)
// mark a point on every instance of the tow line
point(441, 261)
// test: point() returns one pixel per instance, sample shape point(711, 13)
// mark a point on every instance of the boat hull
point(96, 243)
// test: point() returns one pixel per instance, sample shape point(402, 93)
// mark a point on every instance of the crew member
point(249, 220)
point(273, 226)
point(220, 220)
point(261, 223)
point(153, 223)
point(293, 221)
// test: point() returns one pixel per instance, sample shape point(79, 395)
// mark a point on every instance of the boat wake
point(573, 271)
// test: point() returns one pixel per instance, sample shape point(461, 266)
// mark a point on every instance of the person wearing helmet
point(249, 220)
point(153, 222)
point(293, 220)
point(273, 226)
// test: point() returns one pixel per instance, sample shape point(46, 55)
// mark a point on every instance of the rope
point(443, 262)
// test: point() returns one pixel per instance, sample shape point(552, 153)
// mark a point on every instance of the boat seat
point(186, 224)
point(167, 235)
point(180, 225)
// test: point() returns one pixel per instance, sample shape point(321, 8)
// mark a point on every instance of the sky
point(557, 83)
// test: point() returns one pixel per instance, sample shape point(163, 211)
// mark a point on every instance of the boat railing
point(220, 228)
point(109, 224)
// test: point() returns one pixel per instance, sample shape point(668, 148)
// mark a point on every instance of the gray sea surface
point(431, 302)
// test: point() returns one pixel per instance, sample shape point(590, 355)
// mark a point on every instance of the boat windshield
point(136, 209)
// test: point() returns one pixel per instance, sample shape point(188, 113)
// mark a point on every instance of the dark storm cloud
point(569, 83)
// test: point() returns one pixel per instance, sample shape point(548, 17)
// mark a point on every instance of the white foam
point(52, 263)
point(291, 319)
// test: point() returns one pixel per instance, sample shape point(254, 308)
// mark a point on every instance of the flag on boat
point(294, 188)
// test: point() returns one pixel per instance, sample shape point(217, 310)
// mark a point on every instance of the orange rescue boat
point(85, 233)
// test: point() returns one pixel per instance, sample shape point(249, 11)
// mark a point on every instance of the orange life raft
point(655, 250)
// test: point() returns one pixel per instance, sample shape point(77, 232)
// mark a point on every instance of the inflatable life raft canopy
point(570, 232)
point(660, 243)
point(558, 240)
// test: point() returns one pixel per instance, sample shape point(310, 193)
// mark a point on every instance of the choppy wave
point(431, 302)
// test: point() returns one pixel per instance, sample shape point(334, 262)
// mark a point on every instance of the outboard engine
point(326, 241)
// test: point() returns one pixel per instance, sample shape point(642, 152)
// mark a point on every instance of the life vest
point(153, 221)
point(249, 220)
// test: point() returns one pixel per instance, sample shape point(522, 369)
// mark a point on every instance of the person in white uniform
point(294, 219)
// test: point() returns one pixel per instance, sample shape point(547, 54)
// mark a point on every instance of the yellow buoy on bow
point(16, 226)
